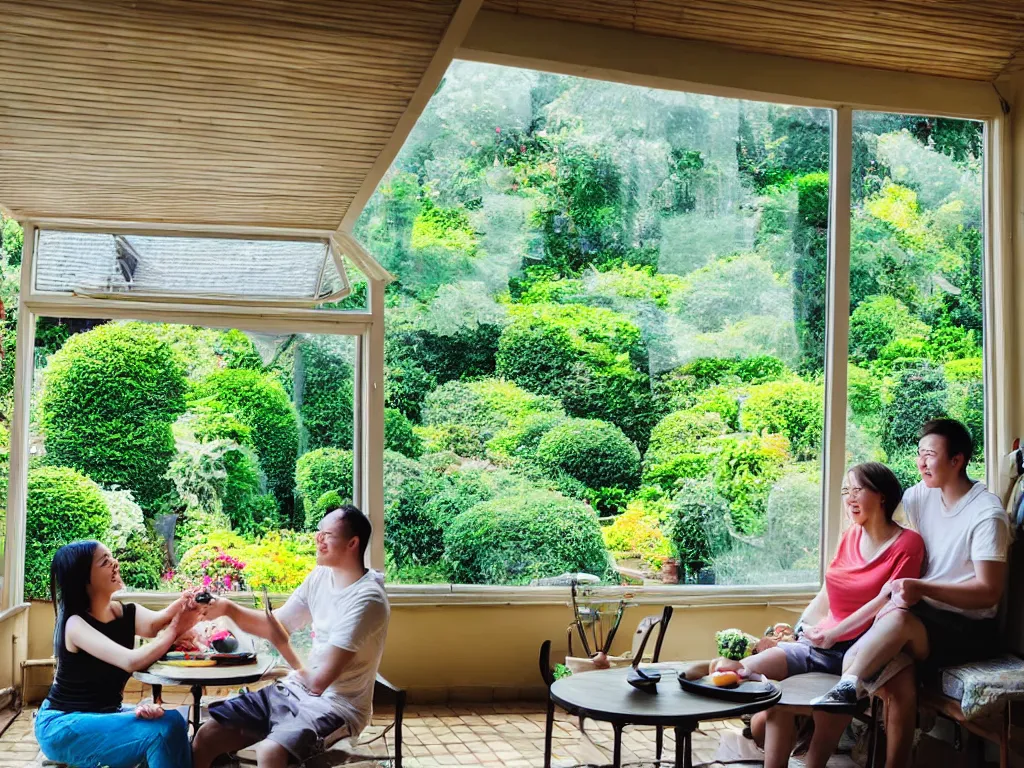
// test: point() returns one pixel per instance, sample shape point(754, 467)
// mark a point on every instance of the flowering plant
point(218, 572)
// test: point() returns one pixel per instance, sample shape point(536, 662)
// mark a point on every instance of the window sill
point(446, 595)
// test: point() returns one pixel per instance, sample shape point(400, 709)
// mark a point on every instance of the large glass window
point(608, 331)
point(198, 455)
point(915, 285)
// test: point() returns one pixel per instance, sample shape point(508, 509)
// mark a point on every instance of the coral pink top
point(852, 583)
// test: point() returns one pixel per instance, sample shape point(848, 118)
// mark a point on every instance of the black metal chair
point(547, 674)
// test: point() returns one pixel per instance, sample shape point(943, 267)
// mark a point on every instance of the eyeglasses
point(852, 492)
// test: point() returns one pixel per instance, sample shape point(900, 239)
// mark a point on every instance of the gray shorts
point(276, 713)
point(802, 657)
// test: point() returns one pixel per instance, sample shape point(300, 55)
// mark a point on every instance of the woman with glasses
point(873, 551)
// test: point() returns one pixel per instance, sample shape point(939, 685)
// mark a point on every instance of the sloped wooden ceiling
point(221, 112)
point(970, 39)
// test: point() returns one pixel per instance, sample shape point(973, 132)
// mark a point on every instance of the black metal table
point(604, 695)
point(197, 678)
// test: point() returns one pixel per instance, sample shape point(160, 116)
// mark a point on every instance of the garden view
point(604, 349)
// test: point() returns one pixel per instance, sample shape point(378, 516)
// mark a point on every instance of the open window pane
point(916, 320)
point(608, 330)
point(198, 455)
point(100, 264)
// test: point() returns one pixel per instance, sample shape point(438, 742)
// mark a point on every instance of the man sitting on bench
point(948, 616)
point(332, 693)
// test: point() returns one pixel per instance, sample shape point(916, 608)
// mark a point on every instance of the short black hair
point(958, 438)
point(880, 479)
point(355, 523)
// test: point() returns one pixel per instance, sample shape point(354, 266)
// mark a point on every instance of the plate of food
point(730, 687)
point(211, 643)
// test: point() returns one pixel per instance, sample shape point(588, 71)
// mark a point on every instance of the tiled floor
point(473, 735)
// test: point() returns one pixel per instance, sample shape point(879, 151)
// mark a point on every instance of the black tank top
point(84, 683)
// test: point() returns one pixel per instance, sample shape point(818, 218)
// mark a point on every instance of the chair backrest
point(1012, 609)
point(642, 627)
point(546, 672)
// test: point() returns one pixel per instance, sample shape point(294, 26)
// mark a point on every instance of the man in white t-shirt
point(947, 617)
point(332, 692)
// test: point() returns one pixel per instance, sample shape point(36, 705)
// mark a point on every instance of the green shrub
point(745, 471)
point(724, 401)
point(280, 561)
point(793, 522)
point(485, 406)
point(513, 539)
point(679, 389)
point(457, 439)
point(142, 561)
point(904, 466)
point(966, 402)
point(237, 351)
point(397, 470)
point(594, 452)
point(697, 526)
point(519, 440)
point(406, 381)
point(126, 517)
point(793, 408)
point(412, 535)
point(109, 398)
point(760, 368)
point(637, 533)
point(328, 502)
point(918, 394)
point(399, 435)
point(260, 402)
point(877, 322)
point(62, 506)
point(592, 359)
point(327, 395)
point(682, 446)
point(320, 471)
point(810, 268)
point(864, 392)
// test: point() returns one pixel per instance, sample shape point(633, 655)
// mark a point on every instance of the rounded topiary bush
point(260, 402)
point(877, 322)
point(63, 505)
point(320, 471)
point(485, 406)
point(596, 453)
point(794, 408)
point(682, 445)
point(411, 533)
point(592, 359)
point(141, 560)
point(109, 398)
point(520, 439)
point(399, 435)
point(513, 539)
point(327, 394)
point(919, 394)
point(697, 526)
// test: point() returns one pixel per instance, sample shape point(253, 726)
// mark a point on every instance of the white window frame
point(368, 328)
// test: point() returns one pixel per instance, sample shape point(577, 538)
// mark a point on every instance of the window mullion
point(837, 335)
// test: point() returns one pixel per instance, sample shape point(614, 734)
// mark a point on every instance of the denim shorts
point(802, 657)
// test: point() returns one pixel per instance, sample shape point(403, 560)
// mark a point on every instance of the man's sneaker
point(843, 695)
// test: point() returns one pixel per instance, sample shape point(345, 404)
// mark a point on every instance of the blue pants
point(117, 739)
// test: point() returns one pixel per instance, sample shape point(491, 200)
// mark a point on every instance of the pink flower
point(497, 130)
point(206, 563)
point(227, 581)
point(207, 581)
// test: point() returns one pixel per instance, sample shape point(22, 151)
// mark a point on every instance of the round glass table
point(605, 696)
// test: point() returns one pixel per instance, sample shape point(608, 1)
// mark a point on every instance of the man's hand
point(149, 711)
point(216, 608)
point(907, 592)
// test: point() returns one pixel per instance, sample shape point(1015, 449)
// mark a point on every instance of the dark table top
point(164, 674)
point(605, 695)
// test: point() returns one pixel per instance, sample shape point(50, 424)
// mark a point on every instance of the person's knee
point(270, 753)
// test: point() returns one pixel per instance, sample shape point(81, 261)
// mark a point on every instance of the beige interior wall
point(478, 653)
point(14, 632)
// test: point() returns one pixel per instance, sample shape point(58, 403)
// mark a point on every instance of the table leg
point(197, 704)
point(549, 726)
point(617, 754)
point(684, 756)
point(158, 693)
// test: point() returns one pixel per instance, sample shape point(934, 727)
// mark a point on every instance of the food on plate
point(190, 662)
point(725, 679)
point(735, 644)
point(207, 637)
point(781, 633)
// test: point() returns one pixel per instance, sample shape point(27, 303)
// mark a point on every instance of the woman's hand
point(149, 711)
point(722, 664)
point(765, 643)
point(820, 638)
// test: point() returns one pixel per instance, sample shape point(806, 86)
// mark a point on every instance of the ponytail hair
point(69, 577)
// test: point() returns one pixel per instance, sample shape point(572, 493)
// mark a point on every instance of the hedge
point(484, 406)
point(62, 506)
point(320, 471)
point(793, 408)
point(513, 539)
point(697, 527)
point(260, 402)
point(141, 560)
point(918, 394)
point(682, 445)
point(519, 440)
point(594, 452)
point(109, 398)
point(877, 322)
point(745, 471)
point(592, 359)
point(326, 394)
point(399, 435)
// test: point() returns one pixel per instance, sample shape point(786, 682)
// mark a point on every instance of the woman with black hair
point(82, 721)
